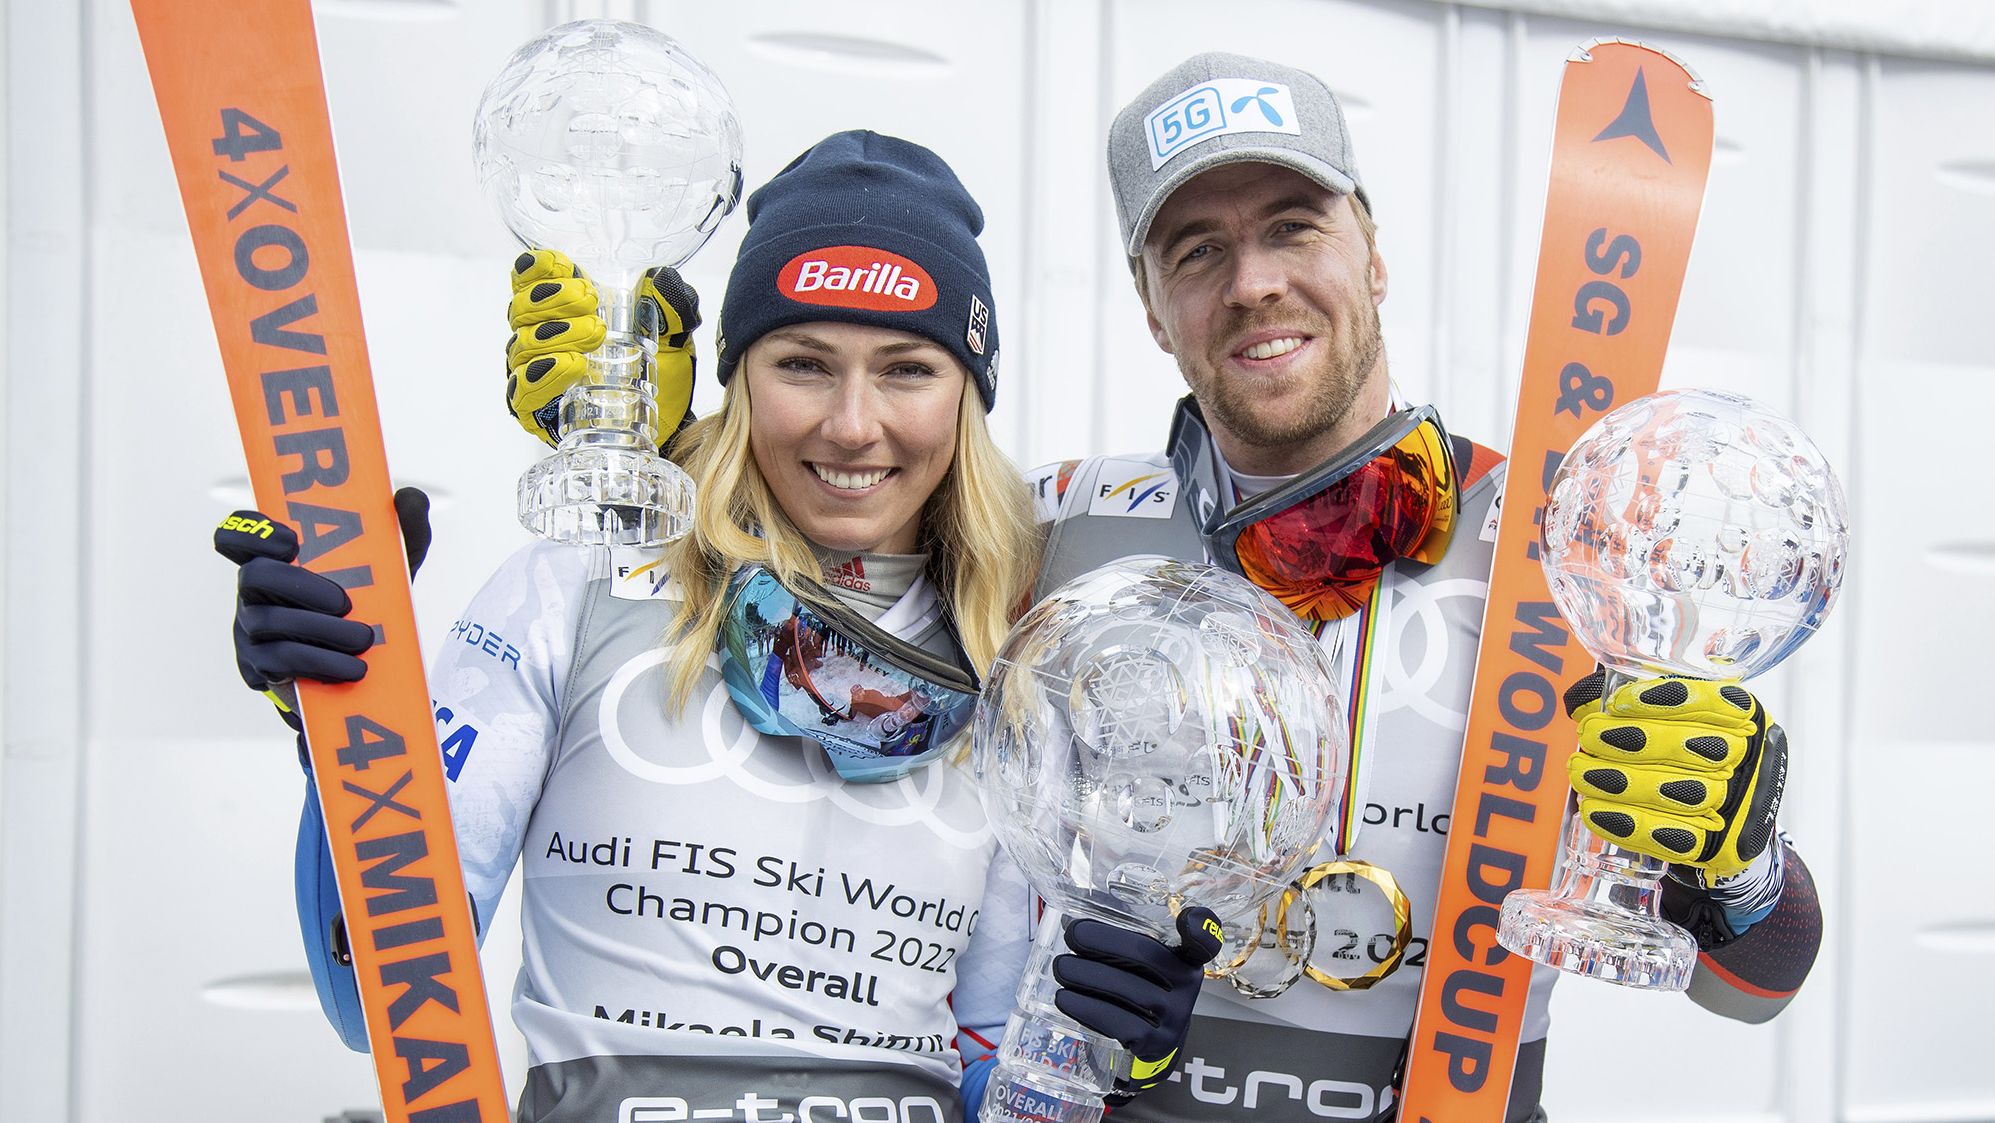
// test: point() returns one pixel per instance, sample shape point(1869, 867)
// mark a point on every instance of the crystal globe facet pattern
point(608, 141)
point(1157, 734)
point(1694, 532)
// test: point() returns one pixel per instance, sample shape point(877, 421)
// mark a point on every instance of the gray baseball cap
point(1215, 109)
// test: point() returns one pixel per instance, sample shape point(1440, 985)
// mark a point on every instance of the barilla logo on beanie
point(857, 277)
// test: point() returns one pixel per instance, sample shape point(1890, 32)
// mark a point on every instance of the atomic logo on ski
point(1635, 119)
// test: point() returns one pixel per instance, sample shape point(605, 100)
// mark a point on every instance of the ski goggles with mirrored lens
point(1320, 541)
point(805, 665)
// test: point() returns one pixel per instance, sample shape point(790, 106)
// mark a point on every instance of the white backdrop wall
point(149, 963)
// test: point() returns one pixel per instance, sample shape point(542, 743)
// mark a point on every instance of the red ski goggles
point(1320, 541)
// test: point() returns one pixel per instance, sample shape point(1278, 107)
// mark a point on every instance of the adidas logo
point(849, 574)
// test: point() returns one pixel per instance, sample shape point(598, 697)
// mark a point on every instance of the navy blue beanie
point(865, 229)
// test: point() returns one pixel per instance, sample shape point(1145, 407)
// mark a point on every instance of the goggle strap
point(1376, 441)
point(1195, 462)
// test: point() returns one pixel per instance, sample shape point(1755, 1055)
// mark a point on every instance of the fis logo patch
point(1134, 489)
point(1217, 108)
point(639, 573)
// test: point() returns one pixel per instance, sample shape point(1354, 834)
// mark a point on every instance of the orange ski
point(240, 94)
point(1629, 158)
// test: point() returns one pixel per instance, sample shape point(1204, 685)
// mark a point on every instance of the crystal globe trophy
point(607, 141)
point(1154, 735)
point(1692, 533)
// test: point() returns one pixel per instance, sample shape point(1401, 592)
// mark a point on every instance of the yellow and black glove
point(555, 326)
point(1686, 770)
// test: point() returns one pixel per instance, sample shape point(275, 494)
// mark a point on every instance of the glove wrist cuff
point(1717, 913)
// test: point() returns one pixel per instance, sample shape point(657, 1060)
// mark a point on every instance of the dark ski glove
point(1129, 986)
point(290, 622)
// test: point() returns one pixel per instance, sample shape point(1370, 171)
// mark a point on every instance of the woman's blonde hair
point(977, 529)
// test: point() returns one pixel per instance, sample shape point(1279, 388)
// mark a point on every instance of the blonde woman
point(756, 877)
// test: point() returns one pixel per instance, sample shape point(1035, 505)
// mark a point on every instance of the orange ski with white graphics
point(244, 107)
point(1629, 160)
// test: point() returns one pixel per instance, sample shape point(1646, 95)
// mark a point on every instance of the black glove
point(290, 622)
point(1128, 986)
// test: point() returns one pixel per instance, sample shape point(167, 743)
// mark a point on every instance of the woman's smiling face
point(853, 427)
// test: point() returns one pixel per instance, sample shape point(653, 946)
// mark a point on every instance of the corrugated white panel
point(191, 990)
point(1957, 29)
point(1921, 930)
point(43, 700)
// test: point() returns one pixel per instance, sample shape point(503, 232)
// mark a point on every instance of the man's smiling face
point(1264, 287)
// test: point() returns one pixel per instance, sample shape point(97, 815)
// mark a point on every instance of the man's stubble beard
point(1330, 400)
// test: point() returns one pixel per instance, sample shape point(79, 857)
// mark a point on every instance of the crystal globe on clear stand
point(1692, 533)
point(1154, 735)
point(607, 141)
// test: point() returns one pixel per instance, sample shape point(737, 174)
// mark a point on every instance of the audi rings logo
point(939, 797)
point(1419, 605)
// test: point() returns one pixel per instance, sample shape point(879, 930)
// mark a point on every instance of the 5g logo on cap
point(1216, 108)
